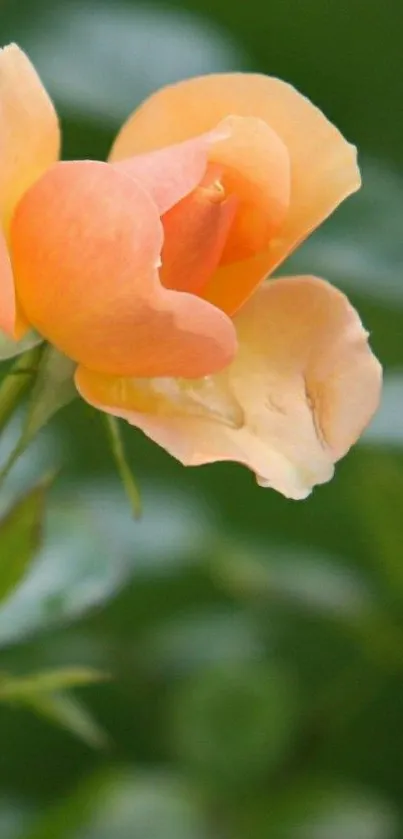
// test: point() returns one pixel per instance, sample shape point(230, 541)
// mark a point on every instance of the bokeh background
point(254, 645)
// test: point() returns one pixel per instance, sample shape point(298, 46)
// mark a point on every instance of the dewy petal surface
point(305, 382)
point(29, 144)
point(323, 164)
point(86, 242)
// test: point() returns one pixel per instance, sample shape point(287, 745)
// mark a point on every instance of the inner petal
point(86, 242)
point(256, 168)
point(195, 233)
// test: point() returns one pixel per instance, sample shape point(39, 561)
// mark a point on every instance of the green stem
point(17, 382)
point(122, 465)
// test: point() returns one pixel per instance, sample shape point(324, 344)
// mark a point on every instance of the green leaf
point(17, 381)
point(20, 537)
point(10, 348)
point(122, 465)
point(20, 688)
point(54, 388)
point(44, 693)
point(92, 547)
point(67, 712)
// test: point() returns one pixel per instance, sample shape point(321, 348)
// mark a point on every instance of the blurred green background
point(254, 645)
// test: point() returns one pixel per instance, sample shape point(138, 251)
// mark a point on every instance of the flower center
point(195, 233)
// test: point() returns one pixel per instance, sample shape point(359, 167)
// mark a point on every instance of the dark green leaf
point(17, 381)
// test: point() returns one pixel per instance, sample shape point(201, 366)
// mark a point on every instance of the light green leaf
point(10, 348)
point(92, 547)
point(20, 537)
point(16, 383)
point(54, 388)
point(20, 688)
point(66, 711)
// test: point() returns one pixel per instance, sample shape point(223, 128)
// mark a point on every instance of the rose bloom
point(148, 271)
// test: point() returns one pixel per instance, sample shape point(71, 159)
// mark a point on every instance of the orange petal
point(29, 141)
point(256, 168)
point(171, 173)
point(29, 129)
point(323, 165)
point(195, 233)
point(86, 242)
point(301, 389)
point(7, 292)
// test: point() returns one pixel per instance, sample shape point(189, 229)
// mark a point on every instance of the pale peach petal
point(29, 129)
point(86, 242)
point(169, 174)
point(323, 165)
point(302, 387)
point(12, 319)
point(7, 293)
point(256, 168)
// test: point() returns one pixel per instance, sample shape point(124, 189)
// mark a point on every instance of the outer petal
point(86, 244)
point(7, 292)
point(323, 164)
point(304, 380)
point(29, 142)
point(29, 129)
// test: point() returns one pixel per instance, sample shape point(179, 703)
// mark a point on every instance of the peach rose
point(148, 271)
